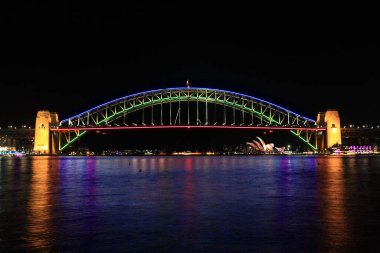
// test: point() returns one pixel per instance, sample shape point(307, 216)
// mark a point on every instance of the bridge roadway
point(66, 129)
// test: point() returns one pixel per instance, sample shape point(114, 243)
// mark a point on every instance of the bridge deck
point(65, 129)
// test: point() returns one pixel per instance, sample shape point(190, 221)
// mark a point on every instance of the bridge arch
point(105, 114)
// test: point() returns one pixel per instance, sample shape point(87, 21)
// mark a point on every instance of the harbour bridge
point(185, 107)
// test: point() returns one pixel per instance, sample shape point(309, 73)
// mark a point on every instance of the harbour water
point(190, 204)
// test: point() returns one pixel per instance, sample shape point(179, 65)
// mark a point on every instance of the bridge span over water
point(185, 108)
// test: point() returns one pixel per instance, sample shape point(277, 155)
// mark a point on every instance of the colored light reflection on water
point(190, 204)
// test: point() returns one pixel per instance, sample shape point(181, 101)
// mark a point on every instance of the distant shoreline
point(186, 155)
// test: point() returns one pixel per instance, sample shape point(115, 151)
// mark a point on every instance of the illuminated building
point(263, 147)
point(16, 139)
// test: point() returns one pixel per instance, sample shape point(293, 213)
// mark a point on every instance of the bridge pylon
point(44, 139)
point(332, 136)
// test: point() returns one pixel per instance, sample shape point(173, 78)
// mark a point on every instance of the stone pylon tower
point(43, 140)
point(331, 120)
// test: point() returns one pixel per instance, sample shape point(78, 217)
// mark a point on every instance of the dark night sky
point(55, 56)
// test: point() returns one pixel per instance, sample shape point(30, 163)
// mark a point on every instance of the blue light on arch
point(185, 88)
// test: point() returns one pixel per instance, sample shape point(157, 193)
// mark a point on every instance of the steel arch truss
point(267, 113)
